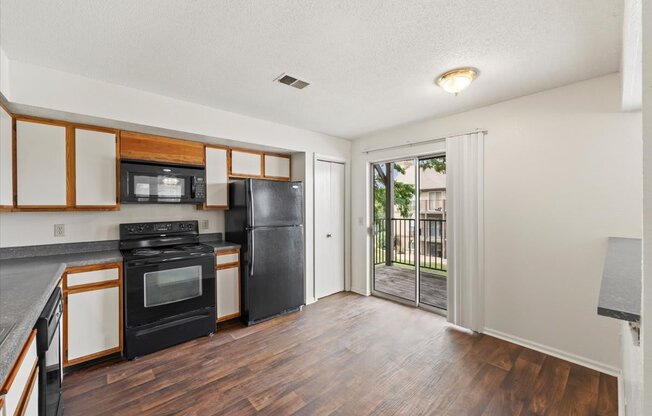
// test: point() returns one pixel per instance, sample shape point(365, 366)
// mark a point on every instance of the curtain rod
point(410, 144)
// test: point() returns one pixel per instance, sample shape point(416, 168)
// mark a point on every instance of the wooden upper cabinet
point(217, 177)
point(277, 167)
point(41, 172)
point(246, 164)
point(6, 160)
point(95, 168)
point(138, 146)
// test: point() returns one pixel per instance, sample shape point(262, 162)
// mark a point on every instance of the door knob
point(329, 235)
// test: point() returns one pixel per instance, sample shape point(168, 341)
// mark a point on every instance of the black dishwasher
point(48, 347)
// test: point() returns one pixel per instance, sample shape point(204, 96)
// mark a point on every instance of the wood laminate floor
point(344, 355)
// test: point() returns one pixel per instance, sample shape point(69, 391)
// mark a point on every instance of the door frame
point(330, 159)
point(417, 235)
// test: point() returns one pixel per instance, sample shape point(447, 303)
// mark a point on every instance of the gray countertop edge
point(623, 316)
point(221, 245)
point(51, 268)
point(620, 290)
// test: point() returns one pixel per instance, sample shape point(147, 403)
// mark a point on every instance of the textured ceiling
point(371, 63)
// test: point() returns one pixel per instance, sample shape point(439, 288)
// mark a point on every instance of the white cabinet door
point(245, 163)
point(277, 167)
point(6, 159)
point(93, 319)
point(41, 164)
point(228, 293)
point(217, 178)
point(23, 374)
point(31, 407)
point(95, 168)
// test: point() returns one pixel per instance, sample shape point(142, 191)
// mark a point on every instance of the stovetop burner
point(145, 252)
point(155, 241)
point(180, 250)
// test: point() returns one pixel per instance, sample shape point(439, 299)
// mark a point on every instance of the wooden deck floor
point(401, 282)
point(344, 355)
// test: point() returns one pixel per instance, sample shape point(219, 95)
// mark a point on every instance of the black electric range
point(169, 285)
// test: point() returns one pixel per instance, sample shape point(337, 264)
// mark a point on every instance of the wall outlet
point(59, 230)
point(203, 224)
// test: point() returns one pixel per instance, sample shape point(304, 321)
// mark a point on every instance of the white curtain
point(465, 230)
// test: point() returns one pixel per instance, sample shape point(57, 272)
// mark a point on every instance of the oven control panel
point(157, 228)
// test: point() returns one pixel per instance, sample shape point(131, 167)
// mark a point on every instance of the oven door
point(168, 287)
point(145, 183)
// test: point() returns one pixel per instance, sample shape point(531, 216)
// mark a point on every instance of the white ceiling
point(371, 63)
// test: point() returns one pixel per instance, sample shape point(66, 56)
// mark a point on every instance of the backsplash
point(37, 228)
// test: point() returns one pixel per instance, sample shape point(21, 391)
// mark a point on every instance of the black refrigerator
point(266, 218)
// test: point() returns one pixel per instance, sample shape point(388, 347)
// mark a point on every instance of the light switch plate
point(203, 224)
point(59, 230)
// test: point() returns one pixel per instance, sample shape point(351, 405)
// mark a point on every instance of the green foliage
point(436, 163)
point(403, 192)
point(403, 195)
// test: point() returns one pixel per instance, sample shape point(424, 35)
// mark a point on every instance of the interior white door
point(329, 228)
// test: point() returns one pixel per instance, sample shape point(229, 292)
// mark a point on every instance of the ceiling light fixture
point(456, 80)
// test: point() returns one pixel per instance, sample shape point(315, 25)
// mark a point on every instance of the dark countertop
point(620, 293)
point(25, 286)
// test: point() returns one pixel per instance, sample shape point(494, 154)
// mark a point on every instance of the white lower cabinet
point(20, 388)
point(228, 293)
point(93, 322)
point(31, 405)
point(92, 313)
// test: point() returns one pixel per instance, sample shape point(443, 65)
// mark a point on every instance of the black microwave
point(151, 183)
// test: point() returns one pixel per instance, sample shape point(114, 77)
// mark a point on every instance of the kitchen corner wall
point(646, 328)
point(562, 173)
point(35, 86)
point(33, 228)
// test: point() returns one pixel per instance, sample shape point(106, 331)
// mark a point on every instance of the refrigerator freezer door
point(274, 272)
point(275, 203)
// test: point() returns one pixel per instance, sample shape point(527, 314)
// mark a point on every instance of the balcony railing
point(402, 237)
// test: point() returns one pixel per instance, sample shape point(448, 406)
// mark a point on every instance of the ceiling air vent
point(292, 81)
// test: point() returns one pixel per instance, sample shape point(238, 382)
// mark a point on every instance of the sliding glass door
point(409, 231)
point(432, 236)
point(395, 248)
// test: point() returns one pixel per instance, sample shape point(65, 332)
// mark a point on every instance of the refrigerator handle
point(252, 251)
point(251, 205)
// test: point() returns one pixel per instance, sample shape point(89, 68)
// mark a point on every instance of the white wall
point(562, 173)
point(33, 228)
point(47, 88)
point(302, 171)
point(36, 86)
point(647, 209)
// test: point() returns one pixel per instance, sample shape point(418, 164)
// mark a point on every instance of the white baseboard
point(310, 300)
point(576, 359)
point(360, 291)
